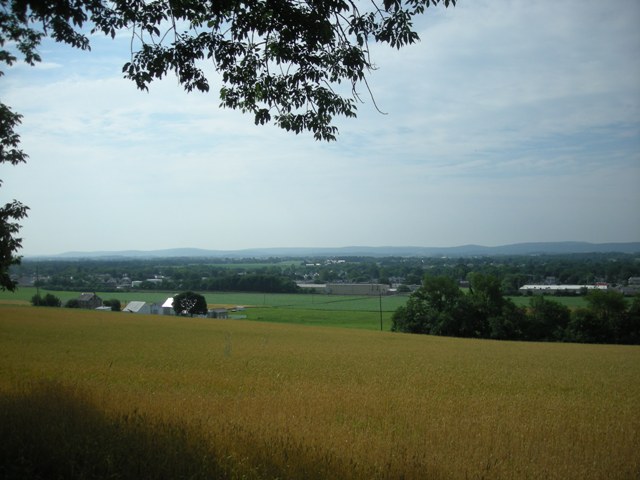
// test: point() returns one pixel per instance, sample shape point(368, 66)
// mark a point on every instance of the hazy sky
point(511, 121)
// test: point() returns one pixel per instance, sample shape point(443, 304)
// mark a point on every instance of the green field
point(307, 309)
point(341, 311)
point(109, 395)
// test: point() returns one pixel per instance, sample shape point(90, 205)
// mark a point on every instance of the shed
point(218, 313)
point(137, 307)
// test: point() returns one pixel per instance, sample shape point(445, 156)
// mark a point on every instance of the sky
point(512, 121)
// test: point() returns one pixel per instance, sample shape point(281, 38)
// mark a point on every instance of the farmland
point(307, 309)
point(94, 395)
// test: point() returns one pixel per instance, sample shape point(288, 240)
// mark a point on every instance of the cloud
point(486, 79)
point(517, 122)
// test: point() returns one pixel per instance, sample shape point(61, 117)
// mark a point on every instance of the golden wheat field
point(164, 397)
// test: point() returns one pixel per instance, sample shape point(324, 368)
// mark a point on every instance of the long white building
point(553, 289)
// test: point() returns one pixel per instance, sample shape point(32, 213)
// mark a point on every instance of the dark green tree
point(411, 318)
point(547, 320)
point(10, 243)
point(630, 326)
point(440, 293)
point(510, 324)
point(486, 292)
point(586, 327)
point(189, 303)
point(609, 308)
point(37, 300)
point(511, 282)
point(439, 307)
point(114, 303)
point(72, 303)
point(461, 319)
point(49, 300)
point(428, 309)
point(12, 30)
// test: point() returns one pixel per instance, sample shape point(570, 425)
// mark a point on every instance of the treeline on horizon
point(279, 275)
point(440, 307)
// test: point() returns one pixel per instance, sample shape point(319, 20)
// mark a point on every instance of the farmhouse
point(560, 289)
point(137, 307)
point(89, 301)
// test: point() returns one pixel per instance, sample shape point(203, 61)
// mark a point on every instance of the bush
point(49, 300)
point(114, 303)
point(72, 303)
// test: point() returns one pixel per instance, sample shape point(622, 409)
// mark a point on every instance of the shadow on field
point(55, 432)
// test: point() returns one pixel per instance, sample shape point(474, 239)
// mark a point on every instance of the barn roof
point(134, 306)
point(168, 303)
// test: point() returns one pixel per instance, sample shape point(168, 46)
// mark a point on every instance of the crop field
point(327, 310)
point(107, 395)
point(304, 308)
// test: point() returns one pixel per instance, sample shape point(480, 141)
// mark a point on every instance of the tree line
point(280, 274)
point(440, 307)
point(252, 282)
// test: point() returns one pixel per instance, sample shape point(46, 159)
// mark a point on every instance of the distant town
point(549, 274)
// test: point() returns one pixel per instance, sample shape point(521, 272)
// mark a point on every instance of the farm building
point(218, 313)
point(313, 287)
point(357, 289)
point(632, 288)
point(137, 307)
point(167, 307)
point(89, 301)
point(559, 289)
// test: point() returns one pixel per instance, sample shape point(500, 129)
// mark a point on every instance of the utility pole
point(380, 297)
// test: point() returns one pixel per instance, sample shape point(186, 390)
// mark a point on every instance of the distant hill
point(539, 248)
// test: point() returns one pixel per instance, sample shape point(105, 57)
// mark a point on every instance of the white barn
point(167, 307)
